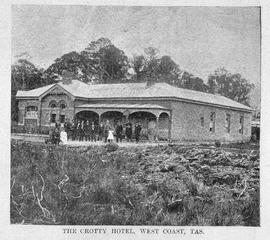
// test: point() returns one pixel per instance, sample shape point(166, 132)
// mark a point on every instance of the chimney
point(150, 82)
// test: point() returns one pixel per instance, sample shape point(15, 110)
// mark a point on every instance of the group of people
point(85, 130)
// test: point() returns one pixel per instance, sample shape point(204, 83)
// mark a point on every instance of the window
point(53, 118)
point(241, 128)
point(228, 123)
point(202, 121)
point(62, 118)
point(212, 122)
point(31, 112)
point(62, 106)
point(31, 108)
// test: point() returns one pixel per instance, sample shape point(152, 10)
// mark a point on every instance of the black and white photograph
point(135, 116)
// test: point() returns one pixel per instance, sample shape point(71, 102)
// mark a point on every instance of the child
point(110, 135)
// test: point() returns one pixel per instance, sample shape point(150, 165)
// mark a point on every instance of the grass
point(157, 185)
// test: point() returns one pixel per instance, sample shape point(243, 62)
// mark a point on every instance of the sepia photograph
point(135, 115)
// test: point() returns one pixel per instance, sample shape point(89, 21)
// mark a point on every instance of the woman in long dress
point(63, 136)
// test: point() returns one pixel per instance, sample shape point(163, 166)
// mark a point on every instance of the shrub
point(94, 186)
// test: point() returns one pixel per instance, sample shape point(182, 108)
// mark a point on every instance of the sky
point(199, 39)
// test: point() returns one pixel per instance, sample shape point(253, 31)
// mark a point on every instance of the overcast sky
point(199, 39)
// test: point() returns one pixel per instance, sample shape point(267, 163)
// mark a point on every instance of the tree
point(189, 81)
point(73, 62)
point(138, 63)
point(233, 86)
point(25, 76)
point(150, 67)
point(152, 64)
point(110, 64)
point(168, 71)
point(99, 62)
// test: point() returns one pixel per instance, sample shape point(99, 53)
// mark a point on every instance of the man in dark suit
point(87, 131)
point(119, 131)
point(67, 127)
point(106, 130)
point(129, 131)
point(138, 129)
point(73, 130)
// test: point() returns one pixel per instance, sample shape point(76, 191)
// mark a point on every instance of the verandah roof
point(122, 106)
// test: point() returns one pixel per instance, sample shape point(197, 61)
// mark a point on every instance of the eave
point(171, 99)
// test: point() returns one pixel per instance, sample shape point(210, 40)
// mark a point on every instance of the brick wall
point(58, 99)
point(22, 108)
point(186, 123)
point(186, 117)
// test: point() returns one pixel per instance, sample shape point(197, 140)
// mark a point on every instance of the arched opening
point(62, 106)
point(53, 113)
point(148, 122)
point(112, 116)
point(53, 104)
point(163, 125)
point(87, 116)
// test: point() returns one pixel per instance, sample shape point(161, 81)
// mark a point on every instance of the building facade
point(170, 112)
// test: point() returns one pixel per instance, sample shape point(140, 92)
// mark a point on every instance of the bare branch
point(61, 184)
point(43, 187)
point(81, 191)
point(45, 211)
point(13, 182)
point(33, 191)
point(243, 189)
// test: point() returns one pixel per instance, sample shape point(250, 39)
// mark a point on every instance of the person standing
point(63, 136)
point(110, 135)
point(67, 127)
point(119, 132)
point(138, 129)
point(57, 125)
point(106, 130)
point(82, 130)
point(73, 130)
point(78, 131)
point(93, 135)
point(51, 132)
point(87, 131)
point(52, 135)
point(101, 131)
point(56, 136)
point(97, 131)
point(129, 131)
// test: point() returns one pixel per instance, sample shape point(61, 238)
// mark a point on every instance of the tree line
point(102, 62)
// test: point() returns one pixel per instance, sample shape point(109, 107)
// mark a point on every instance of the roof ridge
point(129, 83)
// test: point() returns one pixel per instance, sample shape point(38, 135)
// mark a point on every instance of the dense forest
point(102, 62)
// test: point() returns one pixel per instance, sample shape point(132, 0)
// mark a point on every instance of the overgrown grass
point(91, 186)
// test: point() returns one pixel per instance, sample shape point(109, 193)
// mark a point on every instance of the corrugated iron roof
point(136, 90)
point(35, 92)
point(129, 106)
